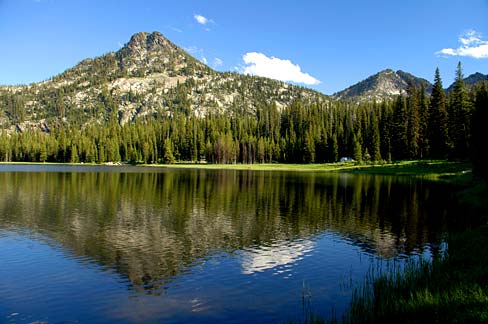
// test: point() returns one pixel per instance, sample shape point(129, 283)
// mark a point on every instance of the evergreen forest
point(413, 126)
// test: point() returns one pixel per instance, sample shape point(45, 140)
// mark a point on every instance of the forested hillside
point(409, 127)
point(148, 77)
point(151, 102)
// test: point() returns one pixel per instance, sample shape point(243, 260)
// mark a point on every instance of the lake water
point(128, 244)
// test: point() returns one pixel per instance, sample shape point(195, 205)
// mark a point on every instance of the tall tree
point(423, 123)
point(399, 139)
point(479, 132)
point(413, 122)
point(438, 120)
point(375, 138)
point(459, 116)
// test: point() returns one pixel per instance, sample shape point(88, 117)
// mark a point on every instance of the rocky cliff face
point(149, 76)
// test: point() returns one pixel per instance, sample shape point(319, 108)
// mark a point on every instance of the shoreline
point(432, 169)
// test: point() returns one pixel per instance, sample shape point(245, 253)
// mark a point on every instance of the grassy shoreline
point(451, 289)
point(434, 169)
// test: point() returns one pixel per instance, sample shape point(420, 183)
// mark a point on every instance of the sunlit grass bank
point(435, 169)
point(424, 168)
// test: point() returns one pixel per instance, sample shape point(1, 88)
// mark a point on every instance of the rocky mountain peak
point(149, 76)
point(149, 53)
point(148, 41)
point(382, 85)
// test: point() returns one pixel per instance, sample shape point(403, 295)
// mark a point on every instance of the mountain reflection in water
point(152, 226)
point(160, 245)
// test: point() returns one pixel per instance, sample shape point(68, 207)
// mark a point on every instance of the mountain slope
point(383, 85)
point(475, 78)
point(472, 80)
point(149, 76)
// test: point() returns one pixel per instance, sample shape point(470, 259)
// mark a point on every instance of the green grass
point(263, 166)
point(423, 168)
point(434, 169)
point(448, 290)
point(451, 289)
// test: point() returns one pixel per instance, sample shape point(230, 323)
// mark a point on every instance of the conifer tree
point(168, 156)
point(459, 116)
point(375, 139)
point(438, 120)
point(413, 122)
point(479, 132)
point(423, 123)
point(399, 140)
point(357, 147)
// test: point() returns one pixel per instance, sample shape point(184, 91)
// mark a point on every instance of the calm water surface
point(127, 245)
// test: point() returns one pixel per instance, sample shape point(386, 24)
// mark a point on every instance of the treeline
point(411, 127)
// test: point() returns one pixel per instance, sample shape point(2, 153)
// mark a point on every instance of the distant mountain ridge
point(382, 85)
point(388, 84)
point(472, 80)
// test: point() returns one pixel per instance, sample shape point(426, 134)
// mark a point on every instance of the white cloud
point(201, 19)
point(472, 46)
point(204, 60)
point(217, 62)
point(275, 68)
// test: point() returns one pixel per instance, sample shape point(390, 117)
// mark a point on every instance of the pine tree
point(399, 139)
point(334, 149)
point(357, 139)
point(413, 122)
point(479, 132)
point(459, 116)
point(168, 156)
point(438, 120)
point(375, 139)
point(74, 154)
point(424, 123)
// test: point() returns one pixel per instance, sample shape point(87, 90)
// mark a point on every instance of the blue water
point(200, 246)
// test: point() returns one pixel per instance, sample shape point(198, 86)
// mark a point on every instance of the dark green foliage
point(399, 139)
point(479, 132)
point(459, 116)
point(413, 122)
point(438, 121)
point(423, 106)
point(303, 132)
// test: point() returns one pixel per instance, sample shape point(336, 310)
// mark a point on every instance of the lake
point(101, 244)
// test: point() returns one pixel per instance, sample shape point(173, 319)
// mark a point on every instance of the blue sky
point(325, 45)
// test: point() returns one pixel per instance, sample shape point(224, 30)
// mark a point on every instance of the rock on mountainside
point(383, 85)
point(149, 76)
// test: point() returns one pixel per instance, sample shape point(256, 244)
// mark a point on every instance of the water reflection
point(153, 227)
point(280, 254)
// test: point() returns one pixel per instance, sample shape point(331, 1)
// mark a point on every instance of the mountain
point(472, 80)
point(475, 78)
point(149, 76)
point(383, 85)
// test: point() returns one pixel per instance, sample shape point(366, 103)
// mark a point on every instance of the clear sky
point(325, 45)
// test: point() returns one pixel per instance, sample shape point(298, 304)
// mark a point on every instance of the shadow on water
point(152, 227)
